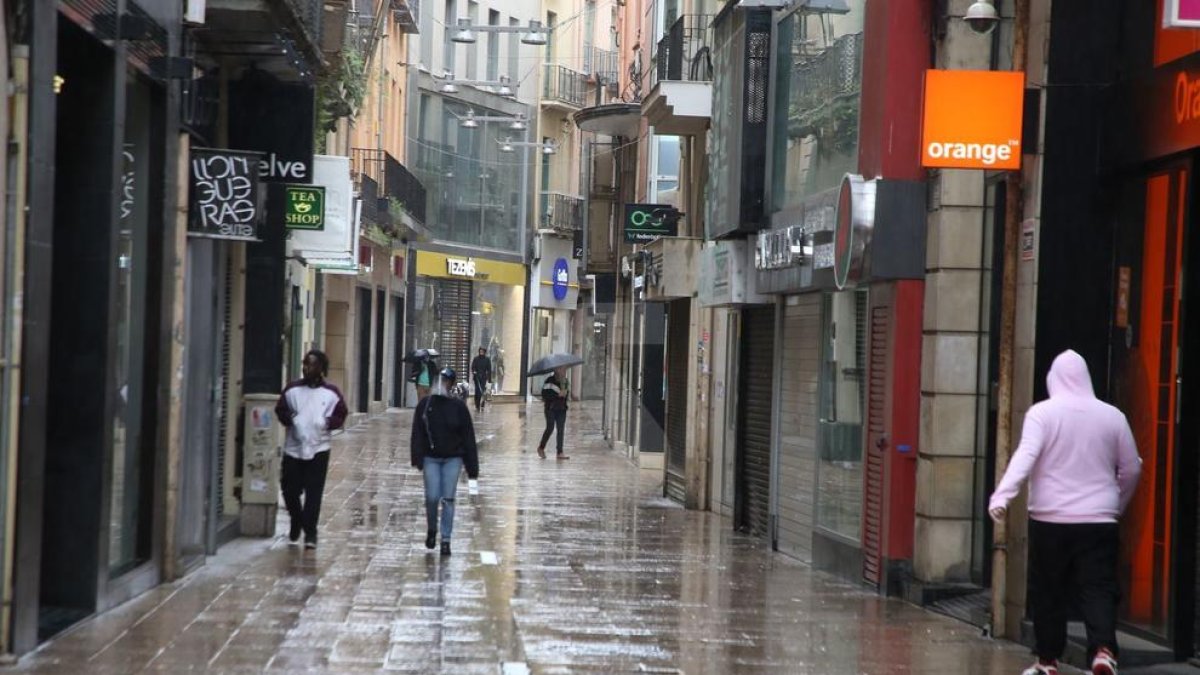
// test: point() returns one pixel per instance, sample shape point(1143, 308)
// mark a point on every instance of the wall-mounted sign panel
point(646, 222)
point(972, 119)
point(1181, 14)
point(224, 198)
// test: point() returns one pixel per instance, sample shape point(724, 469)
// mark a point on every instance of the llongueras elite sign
point(304, 207)
point(646, 222)
point(972, 119)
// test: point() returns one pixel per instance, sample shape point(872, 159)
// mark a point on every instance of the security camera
point(981, 16)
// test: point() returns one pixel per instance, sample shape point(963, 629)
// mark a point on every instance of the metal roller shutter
point(454, 312)
point(876, 421)
point(678, 321)
point(798, 407)
point(754, 425)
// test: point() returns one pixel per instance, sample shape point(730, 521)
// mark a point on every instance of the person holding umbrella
point(556, 391)
point(424, 370)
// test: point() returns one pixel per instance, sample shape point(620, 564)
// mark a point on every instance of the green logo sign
point(305, 208)
point(647, 222)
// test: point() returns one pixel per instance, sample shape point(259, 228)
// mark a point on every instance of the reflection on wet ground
point(558, 567)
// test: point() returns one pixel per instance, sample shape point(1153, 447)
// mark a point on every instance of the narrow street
point(558, 567)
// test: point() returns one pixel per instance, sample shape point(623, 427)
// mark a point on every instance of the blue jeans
point(441, 482)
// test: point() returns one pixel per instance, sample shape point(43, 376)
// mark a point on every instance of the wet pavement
point(558, 567)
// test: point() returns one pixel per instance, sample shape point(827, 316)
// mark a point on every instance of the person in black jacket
point(556, 390)
point(443, 441)
point(481, 375)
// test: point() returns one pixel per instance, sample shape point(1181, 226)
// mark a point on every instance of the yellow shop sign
point(443, 266)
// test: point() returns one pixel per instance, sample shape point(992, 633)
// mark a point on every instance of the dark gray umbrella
point(422, 355)
point(547, 364)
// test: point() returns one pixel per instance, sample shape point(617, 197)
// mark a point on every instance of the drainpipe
point(1014, 209)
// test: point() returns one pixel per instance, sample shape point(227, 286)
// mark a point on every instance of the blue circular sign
point(562, 279)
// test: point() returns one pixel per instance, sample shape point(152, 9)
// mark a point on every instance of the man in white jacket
point(310, 408)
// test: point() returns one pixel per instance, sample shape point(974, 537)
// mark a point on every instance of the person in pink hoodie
point(1082, 464)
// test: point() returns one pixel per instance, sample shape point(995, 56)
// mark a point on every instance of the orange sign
point(972, 119)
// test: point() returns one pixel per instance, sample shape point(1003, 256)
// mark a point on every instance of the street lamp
point(535, 34)
point(471, 120)
point(464, 34)
point(503, 85)
point(548, 148)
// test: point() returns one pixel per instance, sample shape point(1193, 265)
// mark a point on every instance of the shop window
point(818, 88)
point(842, 390)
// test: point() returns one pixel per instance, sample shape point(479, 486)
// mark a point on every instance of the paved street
point(558, 567)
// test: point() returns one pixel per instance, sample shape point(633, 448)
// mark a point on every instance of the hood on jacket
point(1069, 377)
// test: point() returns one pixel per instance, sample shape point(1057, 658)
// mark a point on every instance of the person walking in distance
point(556, 391)
point(481, 376)
point(1082, 464)
point(310, 408)
point(443, 441)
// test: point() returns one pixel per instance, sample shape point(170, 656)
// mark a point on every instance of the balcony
point(563, 89)
point(283, 37)
point(373, 169)
point(680, 98)
point(562, 212)
point(602, 66)
point(408, 14)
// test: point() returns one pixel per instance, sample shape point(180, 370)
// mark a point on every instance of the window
point(842, 387)
point(815, 136)
point(447, 45)
point(664, 182)
point(551, 21)
point(473, 48)
point(514, 51)
point(493, 48)
point(589, 28)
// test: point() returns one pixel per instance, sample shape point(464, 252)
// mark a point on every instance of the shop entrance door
point(1147, 381)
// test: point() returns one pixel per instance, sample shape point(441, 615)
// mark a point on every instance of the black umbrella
point(547, 364)
point(422, 355)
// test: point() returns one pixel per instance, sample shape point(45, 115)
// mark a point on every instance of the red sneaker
point(1104, 663)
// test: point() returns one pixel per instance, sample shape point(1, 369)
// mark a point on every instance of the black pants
point(1073, 566)
point(307, 476)
point(480, 387)
point(555, 417)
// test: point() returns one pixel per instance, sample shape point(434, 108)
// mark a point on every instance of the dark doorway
point(380, 350)
point(654, 404)
point(398, 375)
point(364, 350)
point(82, 390)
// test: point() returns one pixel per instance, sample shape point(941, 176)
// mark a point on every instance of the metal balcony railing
point(562, 212)
point(685, 52)
point(396, 180)
point(408, 13)
point(600, 64)
point(564, 85)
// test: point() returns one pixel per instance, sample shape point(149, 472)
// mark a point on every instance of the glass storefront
point(473, 180)
point(457, 316)
point(130, 491)
point(818, 87)
point(842, 390)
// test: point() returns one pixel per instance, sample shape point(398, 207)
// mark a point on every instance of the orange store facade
point(1119, 270)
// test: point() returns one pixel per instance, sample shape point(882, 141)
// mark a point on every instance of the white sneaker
point(1104, 663)
point(1039, 668)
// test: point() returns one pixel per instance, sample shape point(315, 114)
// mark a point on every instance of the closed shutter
point(222, 402)
point(798, 424)
point(454, 315)
point(754, 427)
point(876, 426)
point(677, 395)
